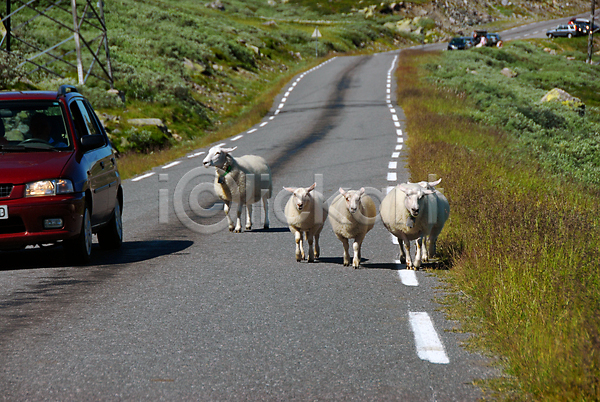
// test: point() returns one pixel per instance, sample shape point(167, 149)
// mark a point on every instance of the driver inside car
point(39, 127)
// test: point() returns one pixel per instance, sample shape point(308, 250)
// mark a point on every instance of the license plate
point(3, 212)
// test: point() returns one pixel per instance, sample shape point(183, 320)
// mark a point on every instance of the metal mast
point(78, 34)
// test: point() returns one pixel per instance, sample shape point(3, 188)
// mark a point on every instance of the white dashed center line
point(428, 343)
point(144, 176)
point(170, 165)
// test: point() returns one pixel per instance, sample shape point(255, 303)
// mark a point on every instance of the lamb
point(413, 211)
point(244, 180)
point(352, 214)
point(306, 212)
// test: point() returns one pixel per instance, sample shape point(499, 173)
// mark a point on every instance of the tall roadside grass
point(522, 246)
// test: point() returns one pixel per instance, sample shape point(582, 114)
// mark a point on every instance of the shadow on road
point(54, 257)
point(48, 291)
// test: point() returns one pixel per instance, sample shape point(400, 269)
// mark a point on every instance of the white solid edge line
point(144, 176)
point(428, 343)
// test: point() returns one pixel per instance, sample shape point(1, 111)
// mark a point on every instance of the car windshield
point(33, 126)
point(457, 41)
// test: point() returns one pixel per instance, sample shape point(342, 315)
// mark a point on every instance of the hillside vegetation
point(202, 66)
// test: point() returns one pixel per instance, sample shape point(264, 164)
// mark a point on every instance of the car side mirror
point(89, 142)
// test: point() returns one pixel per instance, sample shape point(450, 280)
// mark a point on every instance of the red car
point(59, 180)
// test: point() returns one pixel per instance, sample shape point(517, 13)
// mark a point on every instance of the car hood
point(25, 167)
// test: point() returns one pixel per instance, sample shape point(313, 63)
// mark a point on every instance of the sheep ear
point(311, 188)
point(342, 191)
point(403, 188)
point(435, 183)
point(290, 189)
point(361, 191)
point(228, 150)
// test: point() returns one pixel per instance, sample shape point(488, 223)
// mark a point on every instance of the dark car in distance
point(568, 31)
point(460, 43)
point(583, 25)
point(59, 181)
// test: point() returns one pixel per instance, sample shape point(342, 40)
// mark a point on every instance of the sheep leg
point(266, 208)
point(357, 246)
point(346, 246)
point(311, 253)
point(299, 245)
point(248, 216)
point(226, 208)
point(424, 249)
point(402, 253)
point(405, 248)
point(317, 247)
point(432, 246)
point(238, 222)
point(417, 264)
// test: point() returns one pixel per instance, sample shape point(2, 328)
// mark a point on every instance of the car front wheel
point(570, 36)
point(111, 236)
point(80, 248)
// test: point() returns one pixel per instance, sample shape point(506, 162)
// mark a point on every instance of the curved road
point(189, 311)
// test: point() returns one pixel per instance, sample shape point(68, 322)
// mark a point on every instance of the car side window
point(84, 122)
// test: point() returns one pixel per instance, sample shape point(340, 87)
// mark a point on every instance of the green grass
point(522, 244)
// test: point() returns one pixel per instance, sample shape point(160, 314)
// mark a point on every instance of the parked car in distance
point(568, 31)
point(582, 26)
point(493, 39)
point(59, 181)
point(460, 43)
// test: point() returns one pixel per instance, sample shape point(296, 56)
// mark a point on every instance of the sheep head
point(413, 201)
point(352, 199)
point(302, 196)
point(217, 156)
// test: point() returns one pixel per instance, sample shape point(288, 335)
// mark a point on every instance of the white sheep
point(244, 180)
point(412, 211)
point(352, 214)
point(428, 242)
point(306, 211)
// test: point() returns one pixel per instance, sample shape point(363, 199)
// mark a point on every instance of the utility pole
point(591, 33)
point(77, 42)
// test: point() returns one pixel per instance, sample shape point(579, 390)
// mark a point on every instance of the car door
point(99, 161)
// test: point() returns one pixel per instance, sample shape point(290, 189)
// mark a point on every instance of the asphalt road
point(189, 311)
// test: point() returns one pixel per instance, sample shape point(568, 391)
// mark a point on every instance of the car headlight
point(48, 187)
